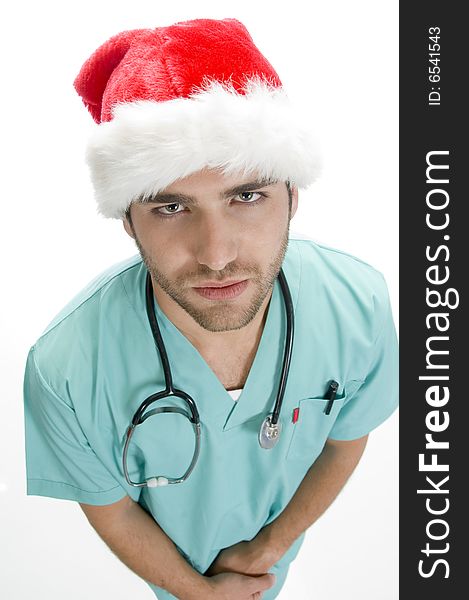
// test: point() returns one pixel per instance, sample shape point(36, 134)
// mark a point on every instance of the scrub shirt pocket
point(313, 426)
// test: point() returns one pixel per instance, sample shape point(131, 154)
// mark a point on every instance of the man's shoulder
point(108, 281)
point(353, 286)
point(323, 261)
point(101, 302)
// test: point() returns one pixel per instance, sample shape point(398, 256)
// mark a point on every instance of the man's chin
point(222, 316)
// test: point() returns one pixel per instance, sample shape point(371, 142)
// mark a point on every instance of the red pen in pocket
point(296, 413)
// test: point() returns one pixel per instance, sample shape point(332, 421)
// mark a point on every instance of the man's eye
point(176, 208)
point(169, 209)
point(249, 196)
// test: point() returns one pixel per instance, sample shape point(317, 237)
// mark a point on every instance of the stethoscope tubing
point(272, 421)
point(289, 336)
point(160, 347)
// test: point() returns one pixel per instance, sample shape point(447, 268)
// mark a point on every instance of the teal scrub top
point(96, 362)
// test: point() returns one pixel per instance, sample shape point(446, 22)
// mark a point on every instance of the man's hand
point(232, 586)
point(318, 489)
point(249, 558)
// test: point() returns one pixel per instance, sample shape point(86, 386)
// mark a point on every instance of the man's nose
point(216, 243)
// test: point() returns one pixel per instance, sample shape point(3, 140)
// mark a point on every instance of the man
point(200, 154)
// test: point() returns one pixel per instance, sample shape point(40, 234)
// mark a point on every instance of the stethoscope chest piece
point(269, 434)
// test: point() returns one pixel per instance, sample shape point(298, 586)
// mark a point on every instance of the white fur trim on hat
point(148, 145)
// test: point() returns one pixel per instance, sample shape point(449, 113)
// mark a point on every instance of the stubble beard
point(221, 315)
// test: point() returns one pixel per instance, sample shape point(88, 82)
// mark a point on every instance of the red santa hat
point(173, 100)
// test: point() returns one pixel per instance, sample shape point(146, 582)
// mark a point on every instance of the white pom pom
point(162, 481)
point(152, 483)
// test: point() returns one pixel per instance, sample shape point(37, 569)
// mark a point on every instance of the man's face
point(201, 231)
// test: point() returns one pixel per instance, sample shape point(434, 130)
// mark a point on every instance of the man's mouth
point(221, 290)
point(217, 284)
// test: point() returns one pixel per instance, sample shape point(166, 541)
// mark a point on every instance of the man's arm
point(139, 542)
point(320, 486)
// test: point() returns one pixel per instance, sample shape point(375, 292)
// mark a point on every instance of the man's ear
point(294, 200)
point(128, 227)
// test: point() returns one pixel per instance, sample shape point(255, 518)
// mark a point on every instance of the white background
point(336, 58)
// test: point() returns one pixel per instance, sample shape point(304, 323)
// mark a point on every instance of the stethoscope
point(271, 427)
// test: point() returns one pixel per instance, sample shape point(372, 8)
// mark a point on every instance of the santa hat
point(173, 100)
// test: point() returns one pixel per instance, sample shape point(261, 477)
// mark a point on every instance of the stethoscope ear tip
point(154, 482)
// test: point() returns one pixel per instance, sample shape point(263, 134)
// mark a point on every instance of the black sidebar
point(434, 268)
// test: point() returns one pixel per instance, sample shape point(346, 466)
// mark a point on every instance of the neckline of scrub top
point(235, 394)
point(213, 401)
